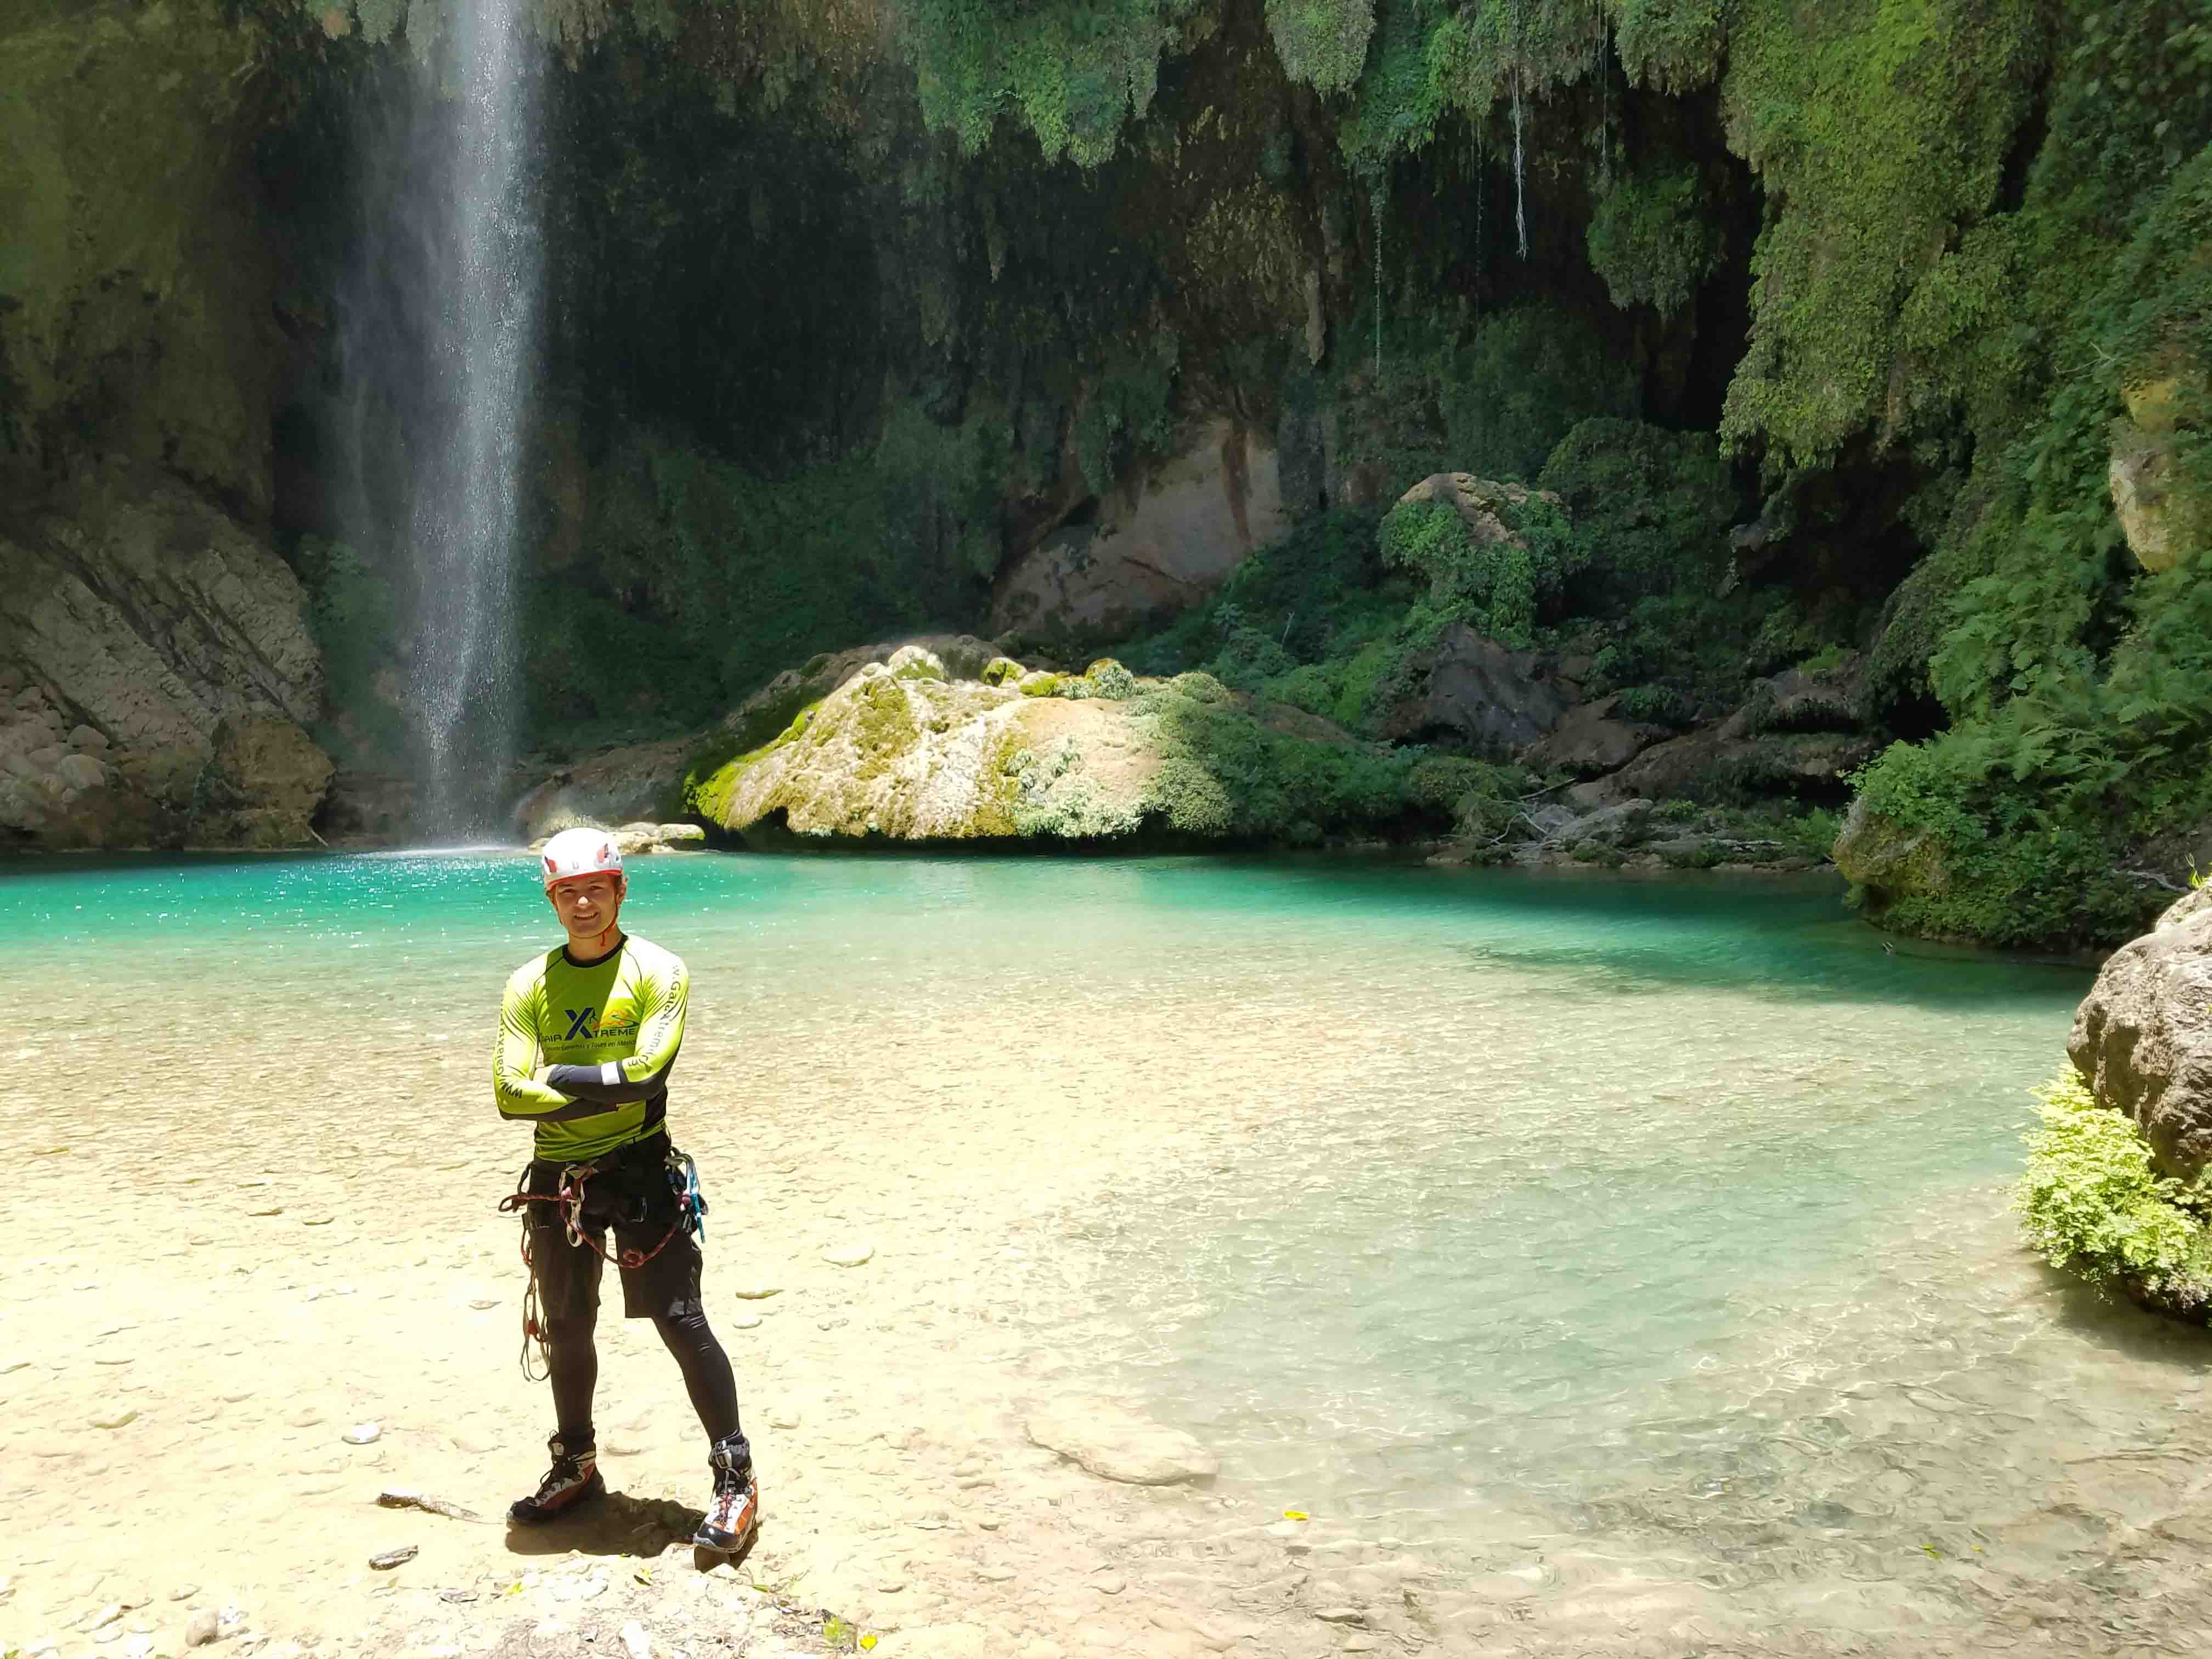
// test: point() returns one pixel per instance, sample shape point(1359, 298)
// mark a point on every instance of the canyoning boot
point(574, 1480)
point(733, 1518)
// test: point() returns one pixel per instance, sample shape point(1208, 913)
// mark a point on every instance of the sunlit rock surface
point(160, 674)
point(905, 752)
point(2142, 1038)
point(1163, 540)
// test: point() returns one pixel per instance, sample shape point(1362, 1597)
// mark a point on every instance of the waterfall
point(482, 242)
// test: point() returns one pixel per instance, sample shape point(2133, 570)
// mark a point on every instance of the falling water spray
point(486, 276)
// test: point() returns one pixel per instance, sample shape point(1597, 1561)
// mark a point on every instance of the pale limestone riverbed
point(260, 1211)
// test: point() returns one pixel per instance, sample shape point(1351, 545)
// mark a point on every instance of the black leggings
point(573, 1360)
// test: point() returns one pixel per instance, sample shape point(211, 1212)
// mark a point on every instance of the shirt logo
point(581, 1024)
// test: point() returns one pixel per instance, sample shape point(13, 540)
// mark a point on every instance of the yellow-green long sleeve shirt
point(585, 1051)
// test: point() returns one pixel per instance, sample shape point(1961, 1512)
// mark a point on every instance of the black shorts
point(630, 1193)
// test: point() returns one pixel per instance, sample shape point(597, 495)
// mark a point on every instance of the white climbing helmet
point(575, 853)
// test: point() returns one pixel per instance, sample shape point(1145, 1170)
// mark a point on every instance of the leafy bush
point(2091, 1201)
point(1651, 510)
point(2020, 868)
point(1498, 585)
point(1225, 773)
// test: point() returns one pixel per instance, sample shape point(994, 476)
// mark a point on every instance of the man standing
point(587, 1035)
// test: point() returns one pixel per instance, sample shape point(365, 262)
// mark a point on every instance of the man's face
point(587, 905)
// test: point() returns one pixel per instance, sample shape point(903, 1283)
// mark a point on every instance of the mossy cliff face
point(135, 281)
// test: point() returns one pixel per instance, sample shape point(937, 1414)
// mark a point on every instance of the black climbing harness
point(567, 1199)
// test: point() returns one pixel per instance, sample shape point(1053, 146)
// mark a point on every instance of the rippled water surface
point(1570, 1228)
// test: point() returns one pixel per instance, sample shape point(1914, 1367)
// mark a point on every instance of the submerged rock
point(2142, 1038)
point(1115, 1444)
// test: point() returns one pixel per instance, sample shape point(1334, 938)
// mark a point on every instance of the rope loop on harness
point(568, 1200)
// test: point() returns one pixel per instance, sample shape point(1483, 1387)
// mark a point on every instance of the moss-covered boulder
point(1886, 860)
point(768, 710)
point(902, 752)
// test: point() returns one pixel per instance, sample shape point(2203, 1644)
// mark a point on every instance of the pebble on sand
point(747, 1323)
point(854, 1253)
point(114, 1417)
point(636, 1642)
point(397, 1557)
point(1115, 1444)
point(783, 1417)
point(361, 1434)
point(1340, 1615)
point(757, 1292)
point(200, 1628)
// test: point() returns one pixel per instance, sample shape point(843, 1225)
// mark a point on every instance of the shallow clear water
point(1487, 1209)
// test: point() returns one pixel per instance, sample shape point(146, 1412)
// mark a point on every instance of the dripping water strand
point(1375, 209)
point(1520, 171)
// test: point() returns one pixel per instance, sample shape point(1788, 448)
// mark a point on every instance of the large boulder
point(2142, 1038)
point(768, 710)
point(1480, 692)
point(1709, 765)
point(1592, 739)
point(636, 782)
point(262, 785)
point(1828, 694)
point(137, 621)
point(1889, 859)
point(1160, 542)
point(904, 751)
